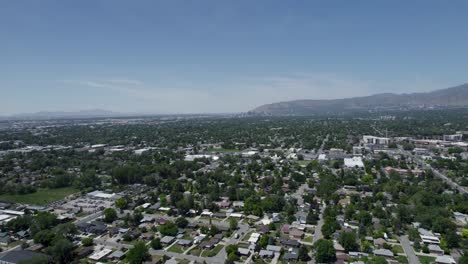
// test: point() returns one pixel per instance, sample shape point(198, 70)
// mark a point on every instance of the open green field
point(41, 197)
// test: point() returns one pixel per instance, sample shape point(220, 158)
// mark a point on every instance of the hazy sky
point(222, 56)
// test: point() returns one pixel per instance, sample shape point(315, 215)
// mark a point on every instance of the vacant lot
point(41, 197)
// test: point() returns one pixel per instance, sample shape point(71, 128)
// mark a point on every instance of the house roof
point(184, 242)
point(445, 259)
point(435, 248)
point(290, 256)
point(117, 254)
point(16, 256)
point(167, 239)
point(383, 252)
point(243, 251)
point(266, 253)
point(296, 232)
point(273, 248)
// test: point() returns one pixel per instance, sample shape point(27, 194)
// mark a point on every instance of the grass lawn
point(14, 244)
point(41, 197)
point(308, 239)
point(196, 251)
point(176, 249)
point(247, 236)
point(426, 259)
point(187, 236)
point(402, 259)
point(213, 252)
point(397, 249)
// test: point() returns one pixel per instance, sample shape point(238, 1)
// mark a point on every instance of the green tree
point(329, 227)
point(89, 179)
point(121, 203)
point(61, 251)
point(67, 230)
point(303, 253)
point(87, 241)
point(324, 251)
point(43, 221)
point(168, 229)
point(44, 237)
point(181, 222)
point(231, 249)
point(348, 241)
point(263, 241)
point(20, 223)
point(463, 259)
point(138, 254)
point(110, 215)
point(233, 223)
point(156, 243)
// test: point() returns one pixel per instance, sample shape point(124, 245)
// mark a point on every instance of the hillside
point(450, 97)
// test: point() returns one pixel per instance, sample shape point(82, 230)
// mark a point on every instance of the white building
point(454, 137)
point(375, 140)
point(254, 238)
point(249, 154)
point(353, 162)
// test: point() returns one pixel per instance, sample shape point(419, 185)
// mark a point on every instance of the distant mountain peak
point(450, 97)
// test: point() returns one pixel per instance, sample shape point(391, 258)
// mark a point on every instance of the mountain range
point(443, 98)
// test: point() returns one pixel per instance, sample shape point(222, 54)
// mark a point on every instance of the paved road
point(106, 242)
point(318, 229)
point(89, 218)
point(320, 150)
point(437, 173)
point(405, 244)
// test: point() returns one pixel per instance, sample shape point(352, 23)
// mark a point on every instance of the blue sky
point(222, 56)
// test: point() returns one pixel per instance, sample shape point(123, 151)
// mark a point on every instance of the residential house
point(445, 259)
point(266, 253)
point(184, 242)
point(296, 234)
point(291, 255)
point(17, 256)
point(384, 253)
point(167, 240)
point(4, 239)
point(435, 249)
point(273, 248)
point(379, 242)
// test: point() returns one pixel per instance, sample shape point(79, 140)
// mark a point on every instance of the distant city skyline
point(166, 57)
